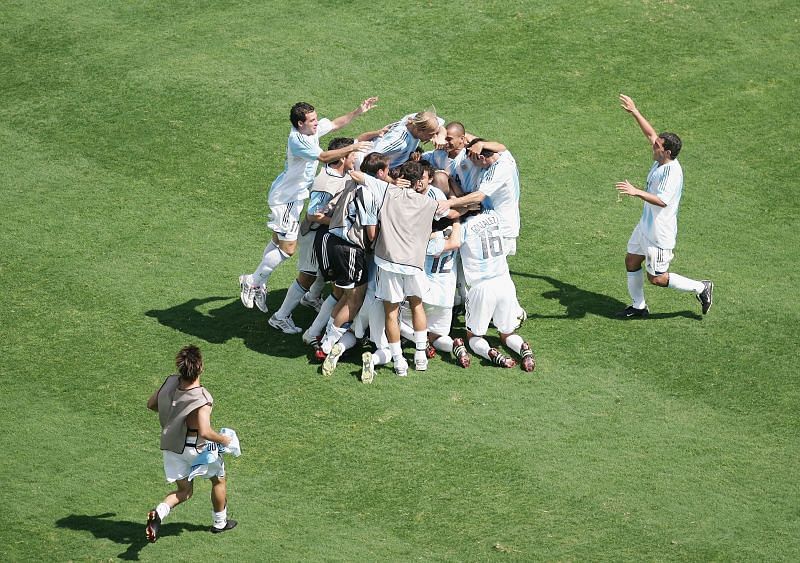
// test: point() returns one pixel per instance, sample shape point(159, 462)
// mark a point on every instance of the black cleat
point(229, 525)
point(528, 359)
point(631, 312)
point(153, 525)
point(705, 296)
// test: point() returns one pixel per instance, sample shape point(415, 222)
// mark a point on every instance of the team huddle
point(402, 236)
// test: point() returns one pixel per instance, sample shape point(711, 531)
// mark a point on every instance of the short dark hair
point(412, 171)
point(672, 143)
point(340, 143)
point(486, 153)
point(426, 165)
point(189, 362)
point(373, 163)
point(457, 125)
point(299, 111)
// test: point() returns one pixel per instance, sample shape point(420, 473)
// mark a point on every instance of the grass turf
point(139, 140)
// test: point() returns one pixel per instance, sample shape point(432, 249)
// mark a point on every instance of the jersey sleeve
point(301, 146)
point(324, 126)
point(670, 185)
point(318, 201)
point(492, 180)
point(367, 206)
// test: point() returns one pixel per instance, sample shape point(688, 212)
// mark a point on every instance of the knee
point(661, 280)
point(184, 494)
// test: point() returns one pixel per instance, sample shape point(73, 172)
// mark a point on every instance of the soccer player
point(653, 239)
point(323, 198)
point(290, 190)
point(403, 137)
point(405, 218)
point(492, 296)
point(184, 411)
point(497, 188)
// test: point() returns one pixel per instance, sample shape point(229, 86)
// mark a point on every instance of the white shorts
point(284, 220)
point(394, 288)
point(306, 259)
point(439, 318)
point(178, 466)
point(656, 260)
point(492, 301)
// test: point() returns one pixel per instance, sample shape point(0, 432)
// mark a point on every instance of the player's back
point(482, 253)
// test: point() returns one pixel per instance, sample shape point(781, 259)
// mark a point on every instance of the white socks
point(636, 289)
point(479, 345)
point(332, 335)
point(316, 288)
point(324, 314)
point(443, 344)
point(677, 281)
point(272, 257)
point(220, 518)
point(293, 296)
point(163, 510)
point(381, 357)
point(420, 343)
point(514, 343)
point(395, 350)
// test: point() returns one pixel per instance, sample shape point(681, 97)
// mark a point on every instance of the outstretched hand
point(368, 104)
point(627, 103)
point(626, 188)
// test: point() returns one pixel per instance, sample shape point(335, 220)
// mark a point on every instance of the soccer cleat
point(367, 369)
point(401, 367)
point(153, 525)
point(286, 325)
point(630, 312)
point(229, 525)
point(260, 298)
point(314, 302)
point(528, 359)
point(246, 291)
point(420, 362)
point(329, 365)
point(460, 352)
point(430, 351)
point(309, 339)
point(499, 359)
point(705, 296)
point(317, 355)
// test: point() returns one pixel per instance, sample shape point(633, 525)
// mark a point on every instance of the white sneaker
point(246, 291)
point(420, 362)
point(308, 338)
point(367, 369)
point(401, 368)
point(260, 298)
point(329, 365)
point(286, 325)
point(314, 302)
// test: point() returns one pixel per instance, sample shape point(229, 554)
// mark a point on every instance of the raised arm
point(629, 189)
point(334, 155)
point(345, 119)
point(370, 135)
point(493, 146)
point(630, 107)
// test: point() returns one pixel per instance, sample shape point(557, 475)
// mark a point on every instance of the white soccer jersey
point(300, 167)
point(500, 183)
point(660, 224)
point(464, 172)
point(398, 143)
point(441, 270)
point(482, 252)
point(438, 159)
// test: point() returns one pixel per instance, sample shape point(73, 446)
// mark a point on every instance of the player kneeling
point(492, 297)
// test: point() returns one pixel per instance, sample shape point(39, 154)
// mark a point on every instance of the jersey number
point(443, 264)
point(491, 243)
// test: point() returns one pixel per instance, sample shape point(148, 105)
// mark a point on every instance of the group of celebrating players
point(403, 236)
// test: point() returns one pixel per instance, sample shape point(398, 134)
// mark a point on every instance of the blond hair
point(425, 121)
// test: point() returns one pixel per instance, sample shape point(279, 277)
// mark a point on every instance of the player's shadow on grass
point(578, 302)
point(220, 319)
point(123, 532)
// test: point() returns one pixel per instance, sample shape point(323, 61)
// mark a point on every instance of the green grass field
point(138, 141)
